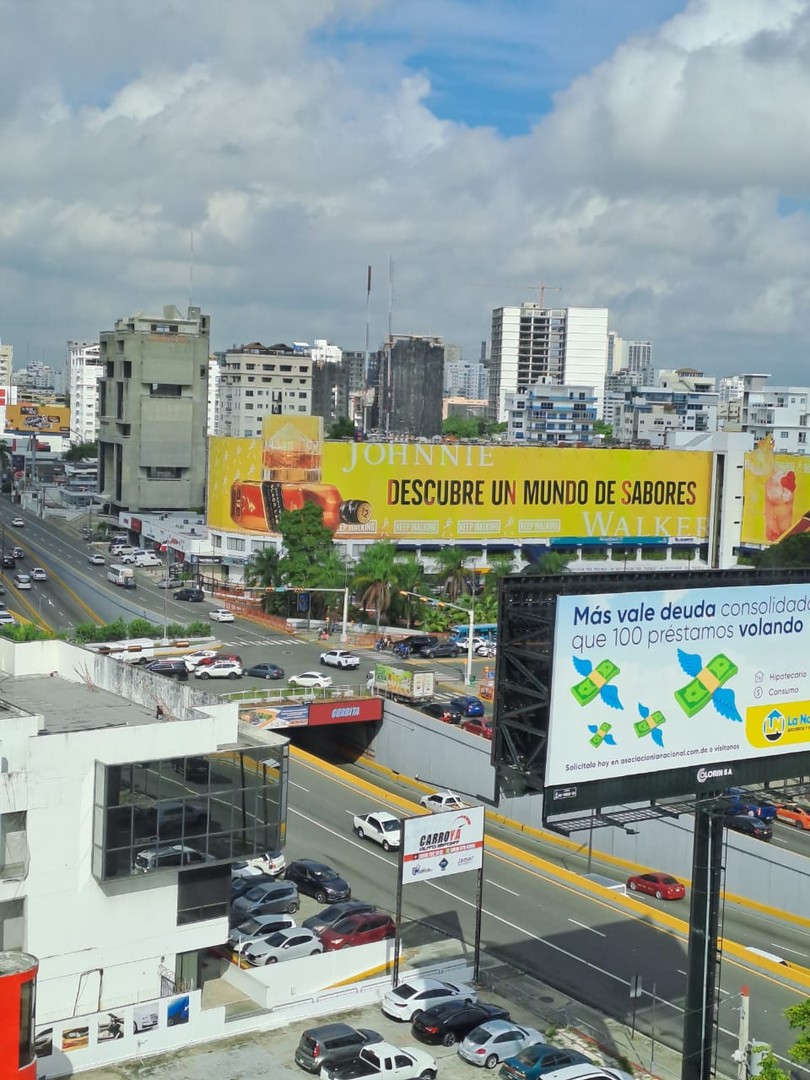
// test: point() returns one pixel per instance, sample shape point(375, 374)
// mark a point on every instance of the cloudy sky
point(646, 155)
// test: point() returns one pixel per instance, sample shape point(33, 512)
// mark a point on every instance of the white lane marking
point(784, 948)
point(585, 927)
point(300, 787)
point(498, 885)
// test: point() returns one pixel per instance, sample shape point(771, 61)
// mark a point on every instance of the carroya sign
point(440, 845)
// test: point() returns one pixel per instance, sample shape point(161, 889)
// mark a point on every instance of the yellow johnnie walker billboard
point(776, 494)
point(439, 491)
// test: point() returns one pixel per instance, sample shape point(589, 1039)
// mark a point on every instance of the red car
point(359, 929)
point(661, 886)
point(478, 725)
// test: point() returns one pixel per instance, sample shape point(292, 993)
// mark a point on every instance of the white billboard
point(439, 845)
point(645, 682)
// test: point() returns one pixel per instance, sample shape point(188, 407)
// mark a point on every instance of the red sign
point(346, 711)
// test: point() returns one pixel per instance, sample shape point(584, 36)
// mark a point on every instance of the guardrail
point(293, 695)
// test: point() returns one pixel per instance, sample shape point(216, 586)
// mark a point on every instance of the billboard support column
point(479, 902)
point(701, 981)
point(398, 919)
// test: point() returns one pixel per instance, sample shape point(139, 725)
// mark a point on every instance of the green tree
point(461, 427)
point(81, 451)
point(343, 428)
point(309, 552)
point(798, 1018)
point(408, 574)
point(769, 1068)
point(601, 427)
point(373, 577)
point(262, 570)
point(452, 571)
point(793, 551)
point(548, 565)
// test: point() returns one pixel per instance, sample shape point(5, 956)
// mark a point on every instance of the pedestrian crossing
point(246, 641)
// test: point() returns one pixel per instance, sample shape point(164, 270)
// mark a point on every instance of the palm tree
point(263, 570)
point(408, 572)
point(373, 575)
point(451, 562)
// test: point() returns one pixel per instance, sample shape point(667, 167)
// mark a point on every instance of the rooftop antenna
point(191, 268)
point(365, 355)
point(390, 295)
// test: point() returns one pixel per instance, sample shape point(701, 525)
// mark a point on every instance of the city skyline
point(644, 157)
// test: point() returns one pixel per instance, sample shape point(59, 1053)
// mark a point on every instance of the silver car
point(259, 926)
point(283, 945)
point(495, 1041)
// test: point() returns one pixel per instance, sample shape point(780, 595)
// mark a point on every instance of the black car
point(441, 711)
point(265, 671)
point(9, 561)
point(316, 879)
point(175, 669)
point(750, 826)
point(415, 643)
point(193, 595)
point(452, 1021)
point(441, 648)
point(328, 916)
point(193, 768)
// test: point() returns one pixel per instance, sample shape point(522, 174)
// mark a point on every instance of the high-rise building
point(465, 379)
point(37, 376)
point(259, 380)
point(215, 364)
point(152, 410)
point(638, 358)
point(409, 387)
point(6, 364)
point(337, 387)
point(84, 371)
point(615, 361)
point(532, 343)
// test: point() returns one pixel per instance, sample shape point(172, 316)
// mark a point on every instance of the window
point(12, 924)
point(249, 393)
point(236, 543)
point(784, 435)
point(250, 367)
point(203, 893)
point(13, 845)
point(302, 393)
point(27, 998)
point(164, 472)
point(165, 390)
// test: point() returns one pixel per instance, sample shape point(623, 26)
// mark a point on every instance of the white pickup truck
point(382, 1061)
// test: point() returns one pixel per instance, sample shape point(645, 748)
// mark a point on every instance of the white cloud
point(652, 186)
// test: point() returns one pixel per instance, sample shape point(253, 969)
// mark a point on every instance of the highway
point(541, 921)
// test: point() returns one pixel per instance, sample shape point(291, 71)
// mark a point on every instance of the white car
point(310, 679)
point(416, 994)
point(220, 615)
point(18, 523)
point(283, 945)
point(192, 659)
point(383, 1061)
point(340, 658)
point(441, 800)
point(95, 559)
point(38, 574)
point(381, 827)
point(271, 863)
point(481, 647)
point(7, 619)
point(22, 581)
point(220, 669)
point(493, 1042)
point(586, 1072)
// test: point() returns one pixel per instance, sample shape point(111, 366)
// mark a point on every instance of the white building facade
point(531, 342)
point(780, 411)
point(84, 371)
point(257, 381)
point(551, 415)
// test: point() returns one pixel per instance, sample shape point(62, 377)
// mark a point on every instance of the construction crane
point(542, 288)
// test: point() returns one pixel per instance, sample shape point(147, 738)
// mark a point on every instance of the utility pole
point(741, 1056)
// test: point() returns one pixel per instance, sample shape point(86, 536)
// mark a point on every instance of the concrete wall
point(419, 746)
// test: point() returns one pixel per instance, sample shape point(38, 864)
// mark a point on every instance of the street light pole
point(469, 612)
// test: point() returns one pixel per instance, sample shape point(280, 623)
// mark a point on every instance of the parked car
point(7, 619)
point(283, 945)
point(169, 583)
point(358, 929)
point(537, 1060)
point(310, 679)
point(38, 574)
point(749, 826)
point(478, 725)
point(316, 879)
point(95, 559)
point(191, 660)
point(453, 1021)
point(168, 855)
point(480, 645)
point(468, 705)
point(333, 914)
point(381, 827)
point(331, 1044)
point(241, 885)
point(661, 886)
point(490, 1043)
point(414, 644)
point(441, 800)
point(220, 656)
point(416, 994)
point(259, 926)
point(220, 615)
point(794, 813)
point(174, 669)
point(265, 671)
point(266, 899)
point(440, 649)
point(339, 658)
point(382, 1061)
point(271, 863)
point(441, 711)
point(220, 669)
point(588, 1072)
point(194, 596)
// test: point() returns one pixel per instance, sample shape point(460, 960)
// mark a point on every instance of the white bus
point(121, 575)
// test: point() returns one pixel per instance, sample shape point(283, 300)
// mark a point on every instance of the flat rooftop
point(70, 706)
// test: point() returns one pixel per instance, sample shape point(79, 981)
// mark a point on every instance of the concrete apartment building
point(532, 342)
point(152, 411)
point(6, 364)
point(338, 386)
point(410, 380)
point(258, 380)
point(781, 411)
point(84, 369)
point(550, 415)
point(684, 400)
